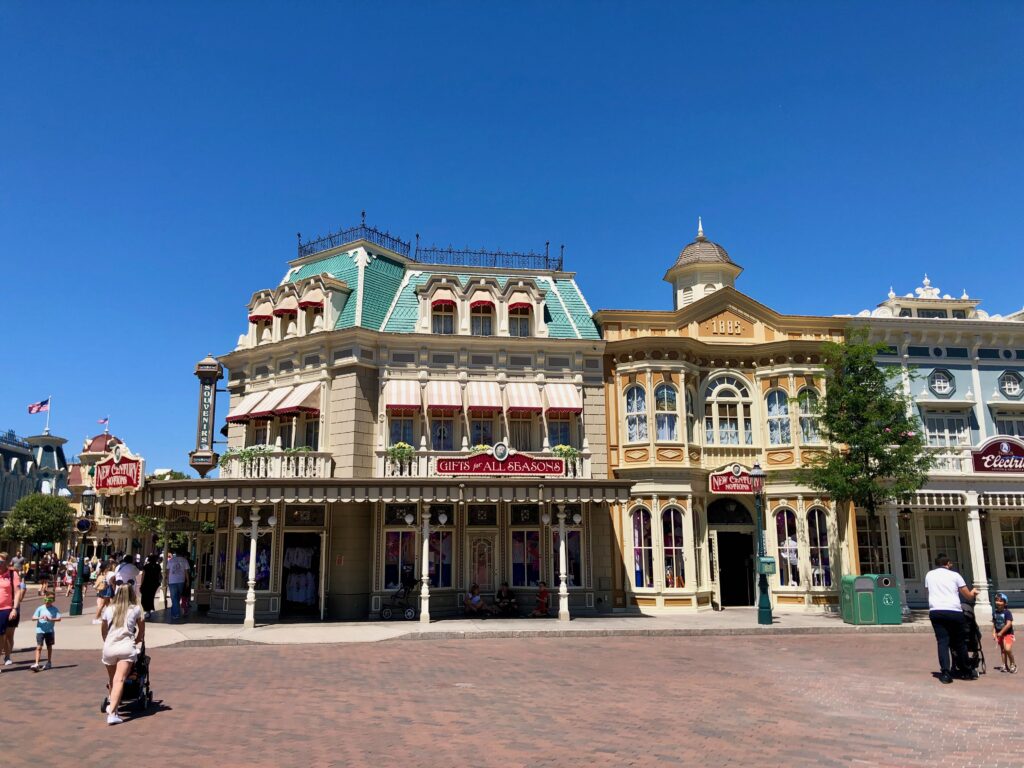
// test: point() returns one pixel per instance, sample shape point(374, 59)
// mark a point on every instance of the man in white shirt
point(127, 571)
point(945, 588)
point(177, 583)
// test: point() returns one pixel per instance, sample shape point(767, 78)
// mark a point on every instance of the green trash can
point(857, 600)
point(887, 600)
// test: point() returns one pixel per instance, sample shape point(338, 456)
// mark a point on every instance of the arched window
point(666, 414)
point(788, 552)
point(643, 549)
point(636, 414)
point(727, 412)
point(672, 530)
point(808, 400)
point(481, 319)
point(519, 321)
point(777, 403)
point(817, 534)
point(691, 417)
point(442, 318)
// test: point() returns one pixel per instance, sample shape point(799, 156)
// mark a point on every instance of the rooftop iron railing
point(350, 235)
point(10, 438)
point(468, 257)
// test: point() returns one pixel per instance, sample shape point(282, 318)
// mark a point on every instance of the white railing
point(951, 461)
point(716, 455)
point(423, 463)
point(278, 465)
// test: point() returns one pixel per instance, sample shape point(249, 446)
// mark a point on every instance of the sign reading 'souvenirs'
point(500, 460)
point(733, 479)
point(1000, 454)
point(120, 472)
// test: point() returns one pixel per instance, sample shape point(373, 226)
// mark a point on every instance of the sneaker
point(973, 674)
point(36, 667)
point(945, 678)
point(7, 661)
point(113, 719)
point(1012, 669)
point(48, 666)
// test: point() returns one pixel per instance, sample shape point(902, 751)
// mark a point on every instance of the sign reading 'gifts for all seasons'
point(119, 472)
point(1001, 454)
point(500, 460)
point(733, 479)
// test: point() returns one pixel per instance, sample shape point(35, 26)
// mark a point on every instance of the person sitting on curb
point(474, 603)
point(540, 611)
point(505, 601)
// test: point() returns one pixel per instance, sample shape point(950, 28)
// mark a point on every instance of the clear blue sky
point(157, 160)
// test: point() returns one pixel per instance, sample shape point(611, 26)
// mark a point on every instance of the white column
point(563, 567)
point(979, 575)
point(892, 519)
point(425, 571)
point(250, 595)
point(690, 548)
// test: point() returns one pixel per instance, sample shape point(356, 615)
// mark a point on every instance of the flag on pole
point(41, 407)
point(103, 421)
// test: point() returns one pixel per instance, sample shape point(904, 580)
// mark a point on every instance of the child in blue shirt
point(45, 616)
point(1002, 631)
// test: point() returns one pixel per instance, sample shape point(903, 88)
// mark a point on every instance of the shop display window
point(440, 565)
point(573, 555)
point(817, 534)
point(788, 552)
point(399, 557)
point(643, 550)
point(264, 550)
point(672, 535)
point(525, 558)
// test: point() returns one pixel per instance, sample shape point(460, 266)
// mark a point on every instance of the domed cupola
point(702, 268)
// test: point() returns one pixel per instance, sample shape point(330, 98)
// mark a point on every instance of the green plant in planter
point(400, 453)
point(566, 452)
point(480, 448)
point(245, 455)
point(299, 449)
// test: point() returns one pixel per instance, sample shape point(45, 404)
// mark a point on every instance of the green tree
point(39, 519)
point(151, 526)
point(877, 447)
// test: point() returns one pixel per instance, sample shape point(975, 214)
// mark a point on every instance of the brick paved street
point(831, 700)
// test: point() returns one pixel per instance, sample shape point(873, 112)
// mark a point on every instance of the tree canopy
point(39, 518)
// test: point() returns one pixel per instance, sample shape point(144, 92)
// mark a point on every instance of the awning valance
point(484, 396)
point(263, 310)
point(268, 405)
point(402, 395)
point(314, 297)
point(523, 397)
point(563, 398)
point(481, 301)
point(289, 305)
point(305, 398)
point(241, 411)
point(443, 297)
point(444, 396)
point(520, 300)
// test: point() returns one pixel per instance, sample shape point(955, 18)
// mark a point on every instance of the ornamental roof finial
point(926, 282)
point(700, 229)
point(892, 293)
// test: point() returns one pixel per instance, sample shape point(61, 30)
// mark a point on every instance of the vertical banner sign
point(203, 458)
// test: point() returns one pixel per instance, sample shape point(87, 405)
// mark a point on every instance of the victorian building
point(111, 532)
point(397, 416)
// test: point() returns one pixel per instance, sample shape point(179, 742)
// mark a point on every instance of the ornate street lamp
point(764, 603)
point(253, 533)
point(82, 525)
point(410, 519)
point(563, 561)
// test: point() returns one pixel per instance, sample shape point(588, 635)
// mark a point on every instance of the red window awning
point(263, 311)
point(314, 297)
point(520, 300)
point(444, 396)
point(442, 298)
point(305, 398)
point(402, 395)
point(240, 413)
point(268, 405)
point(484, 396)
point(523, 397)
point(289, 305)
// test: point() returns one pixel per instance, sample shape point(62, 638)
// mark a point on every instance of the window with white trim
point(788, 555)
point(520, 433)
point(442, 433)
point(442, 319)
point(727, 412)
point(636, 414)
point(519, 322)
point(481, 320)
point(779, 431)
point(258, 434)
point(691, 417)
point(807, 401)
point(559, 429)
point(401, 430)
point(817, 535)
point(1011, 531)
point(1010, 384)
point(941, 383)
point(481, 431)
point(1011, 426)
point(666, 413)
point(674, 551)
point(948, 435)
point(643, 549)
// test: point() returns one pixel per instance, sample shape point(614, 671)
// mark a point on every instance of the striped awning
point(520, 300)
point(305, 398)
point(314, 297)
point(443, 297)
point(402, 395)
point(481, 300)
point(563, 398)
point(267, 407)
point(444, 396)
point(484, 396)
point(263, 310)
point(240, 413)
point(289, 305)
point(523, 397)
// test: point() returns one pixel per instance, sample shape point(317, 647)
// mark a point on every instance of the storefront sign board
point(120, 472)
point(501, 461)
point(1001, 454)
point(734, 479)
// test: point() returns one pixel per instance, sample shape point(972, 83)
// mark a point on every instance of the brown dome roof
point(702, 251)
point(100, 444)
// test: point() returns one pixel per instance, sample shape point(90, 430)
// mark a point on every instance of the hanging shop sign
point(119, 472)
point(204, 458)
point(1001, 454)
point(499, 461)
point(733, 479)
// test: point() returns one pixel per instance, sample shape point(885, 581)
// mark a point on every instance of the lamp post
point(82, 525)
point(410, 519)
point(764, 603)
point(253, 533)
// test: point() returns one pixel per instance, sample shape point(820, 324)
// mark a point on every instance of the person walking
point(45, 617)
point(1002, 632)
point(11, 595)
point(177, 583)
point(123, 631)
point(945, 588)
point(151, 578)
point(104, 592)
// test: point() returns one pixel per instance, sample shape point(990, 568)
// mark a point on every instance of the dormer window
point(442, 317)
point(481, 318)
point(1010, 384)
point(519, 320)
point(941, 383)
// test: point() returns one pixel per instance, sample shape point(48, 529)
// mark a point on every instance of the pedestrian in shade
point(151, 578)
point(945, 588)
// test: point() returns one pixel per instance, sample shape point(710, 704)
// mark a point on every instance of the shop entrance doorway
point(300, 575)
point(736, 567)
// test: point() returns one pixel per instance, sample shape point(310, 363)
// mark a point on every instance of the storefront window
point(221, 568)
point(399, 558)
point(440, 564)
point(1011, 530)
point(698, 548)
point(643, 550)
point(817, 533)
point(264, 547)
point(869, 546)
point(672, 535)
point(525, 558)
point(573, 558)
point(442, 432)
point(788, 552)
point(401, 430)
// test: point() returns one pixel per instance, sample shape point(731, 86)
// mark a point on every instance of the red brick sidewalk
point(832, 700)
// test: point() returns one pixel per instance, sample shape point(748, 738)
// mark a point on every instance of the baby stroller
point(136, 692)
point(403, 598)
point(975, 654)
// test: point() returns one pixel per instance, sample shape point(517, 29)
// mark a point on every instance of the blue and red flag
point(41, 407)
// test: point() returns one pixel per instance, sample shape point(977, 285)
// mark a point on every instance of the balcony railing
point(717, 455)
point(951, 461)
point(278, 465)
point(423, 464)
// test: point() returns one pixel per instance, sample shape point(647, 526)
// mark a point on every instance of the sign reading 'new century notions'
point(1001, 454)
point(120, 472)
point(500, 460)
point(733, 479)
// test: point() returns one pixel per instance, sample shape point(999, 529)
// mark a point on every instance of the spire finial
point(364, 218)
point(700, 227)
point(926, 282)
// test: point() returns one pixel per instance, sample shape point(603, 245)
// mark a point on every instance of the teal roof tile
point(403, 316)
point(577, 308)
point(343, 267)
point(555, 315)
point(381, 280)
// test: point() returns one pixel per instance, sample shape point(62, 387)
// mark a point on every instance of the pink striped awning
point(314, 297)
point(268, 405)
point(240, 413)
point(484, 396)
point(305, 398)
point(523, 397)
point(444, 396)
point(402, 395)
point(263, 310)
point(563, 398)
point(289, 305)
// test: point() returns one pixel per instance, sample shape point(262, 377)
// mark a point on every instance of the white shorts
point(113, 659)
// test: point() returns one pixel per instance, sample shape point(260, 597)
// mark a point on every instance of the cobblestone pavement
point(801, 700)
